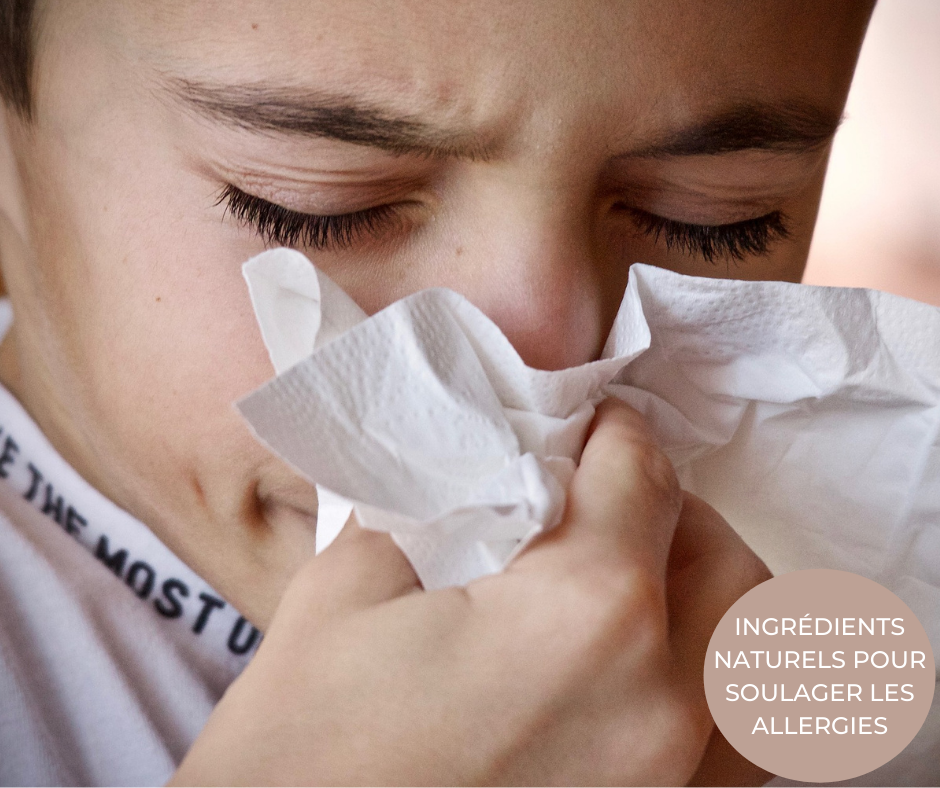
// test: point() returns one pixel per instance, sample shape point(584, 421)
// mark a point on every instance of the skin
point(633, 603)
point(134, 332)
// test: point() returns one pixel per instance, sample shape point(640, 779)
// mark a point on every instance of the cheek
point(149, 322)
point(177, 336)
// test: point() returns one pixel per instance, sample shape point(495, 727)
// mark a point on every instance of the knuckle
point(675, 732)
point(751, 570)
point(742, 570)
point(619, 609)
point(657, 477)
point(757, 570)
point(640, 462)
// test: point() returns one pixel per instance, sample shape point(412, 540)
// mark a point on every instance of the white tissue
point(423, 418)
point(809, 417)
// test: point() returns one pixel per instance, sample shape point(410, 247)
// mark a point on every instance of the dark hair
point(16, 53)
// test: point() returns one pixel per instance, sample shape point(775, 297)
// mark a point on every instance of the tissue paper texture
point(423, 417)
point(809, 417)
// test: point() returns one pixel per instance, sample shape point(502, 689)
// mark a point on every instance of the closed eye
point(280, 226)
point(735, 241)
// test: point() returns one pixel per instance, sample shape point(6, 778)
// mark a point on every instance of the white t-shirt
point(112, 651)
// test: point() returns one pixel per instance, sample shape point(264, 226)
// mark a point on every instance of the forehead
point(493, 61)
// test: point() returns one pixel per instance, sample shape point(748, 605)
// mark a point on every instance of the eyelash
point(715, 242)
point(283, 227)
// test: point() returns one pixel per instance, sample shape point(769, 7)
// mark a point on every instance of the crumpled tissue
point(808, 416)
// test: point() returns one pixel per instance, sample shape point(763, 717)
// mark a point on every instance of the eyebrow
point(265, 109)
point(787, 127)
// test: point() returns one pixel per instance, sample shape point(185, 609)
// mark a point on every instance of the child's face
point(523, 151)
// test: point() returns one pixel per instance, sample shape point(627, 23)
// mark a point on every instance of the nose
point(536, 269)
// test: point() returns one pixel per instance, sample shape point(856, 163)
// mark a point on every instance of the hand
point(580, 664)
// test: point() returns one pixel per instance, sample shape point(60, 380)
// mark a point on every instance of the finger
point(710, 568)
point(359, 570)
point(624, 499)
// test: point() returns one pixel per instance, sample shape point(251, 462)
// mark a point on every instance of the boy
point(523, 154)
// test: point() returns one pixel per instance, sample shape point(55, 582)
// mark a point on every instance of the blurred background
point(879, 224)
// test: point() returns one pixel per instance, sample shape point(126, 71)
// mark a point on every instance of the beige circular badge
point(819, 675)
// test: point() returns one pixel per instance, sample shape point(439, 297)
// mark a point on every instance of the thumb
point(359, 570)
